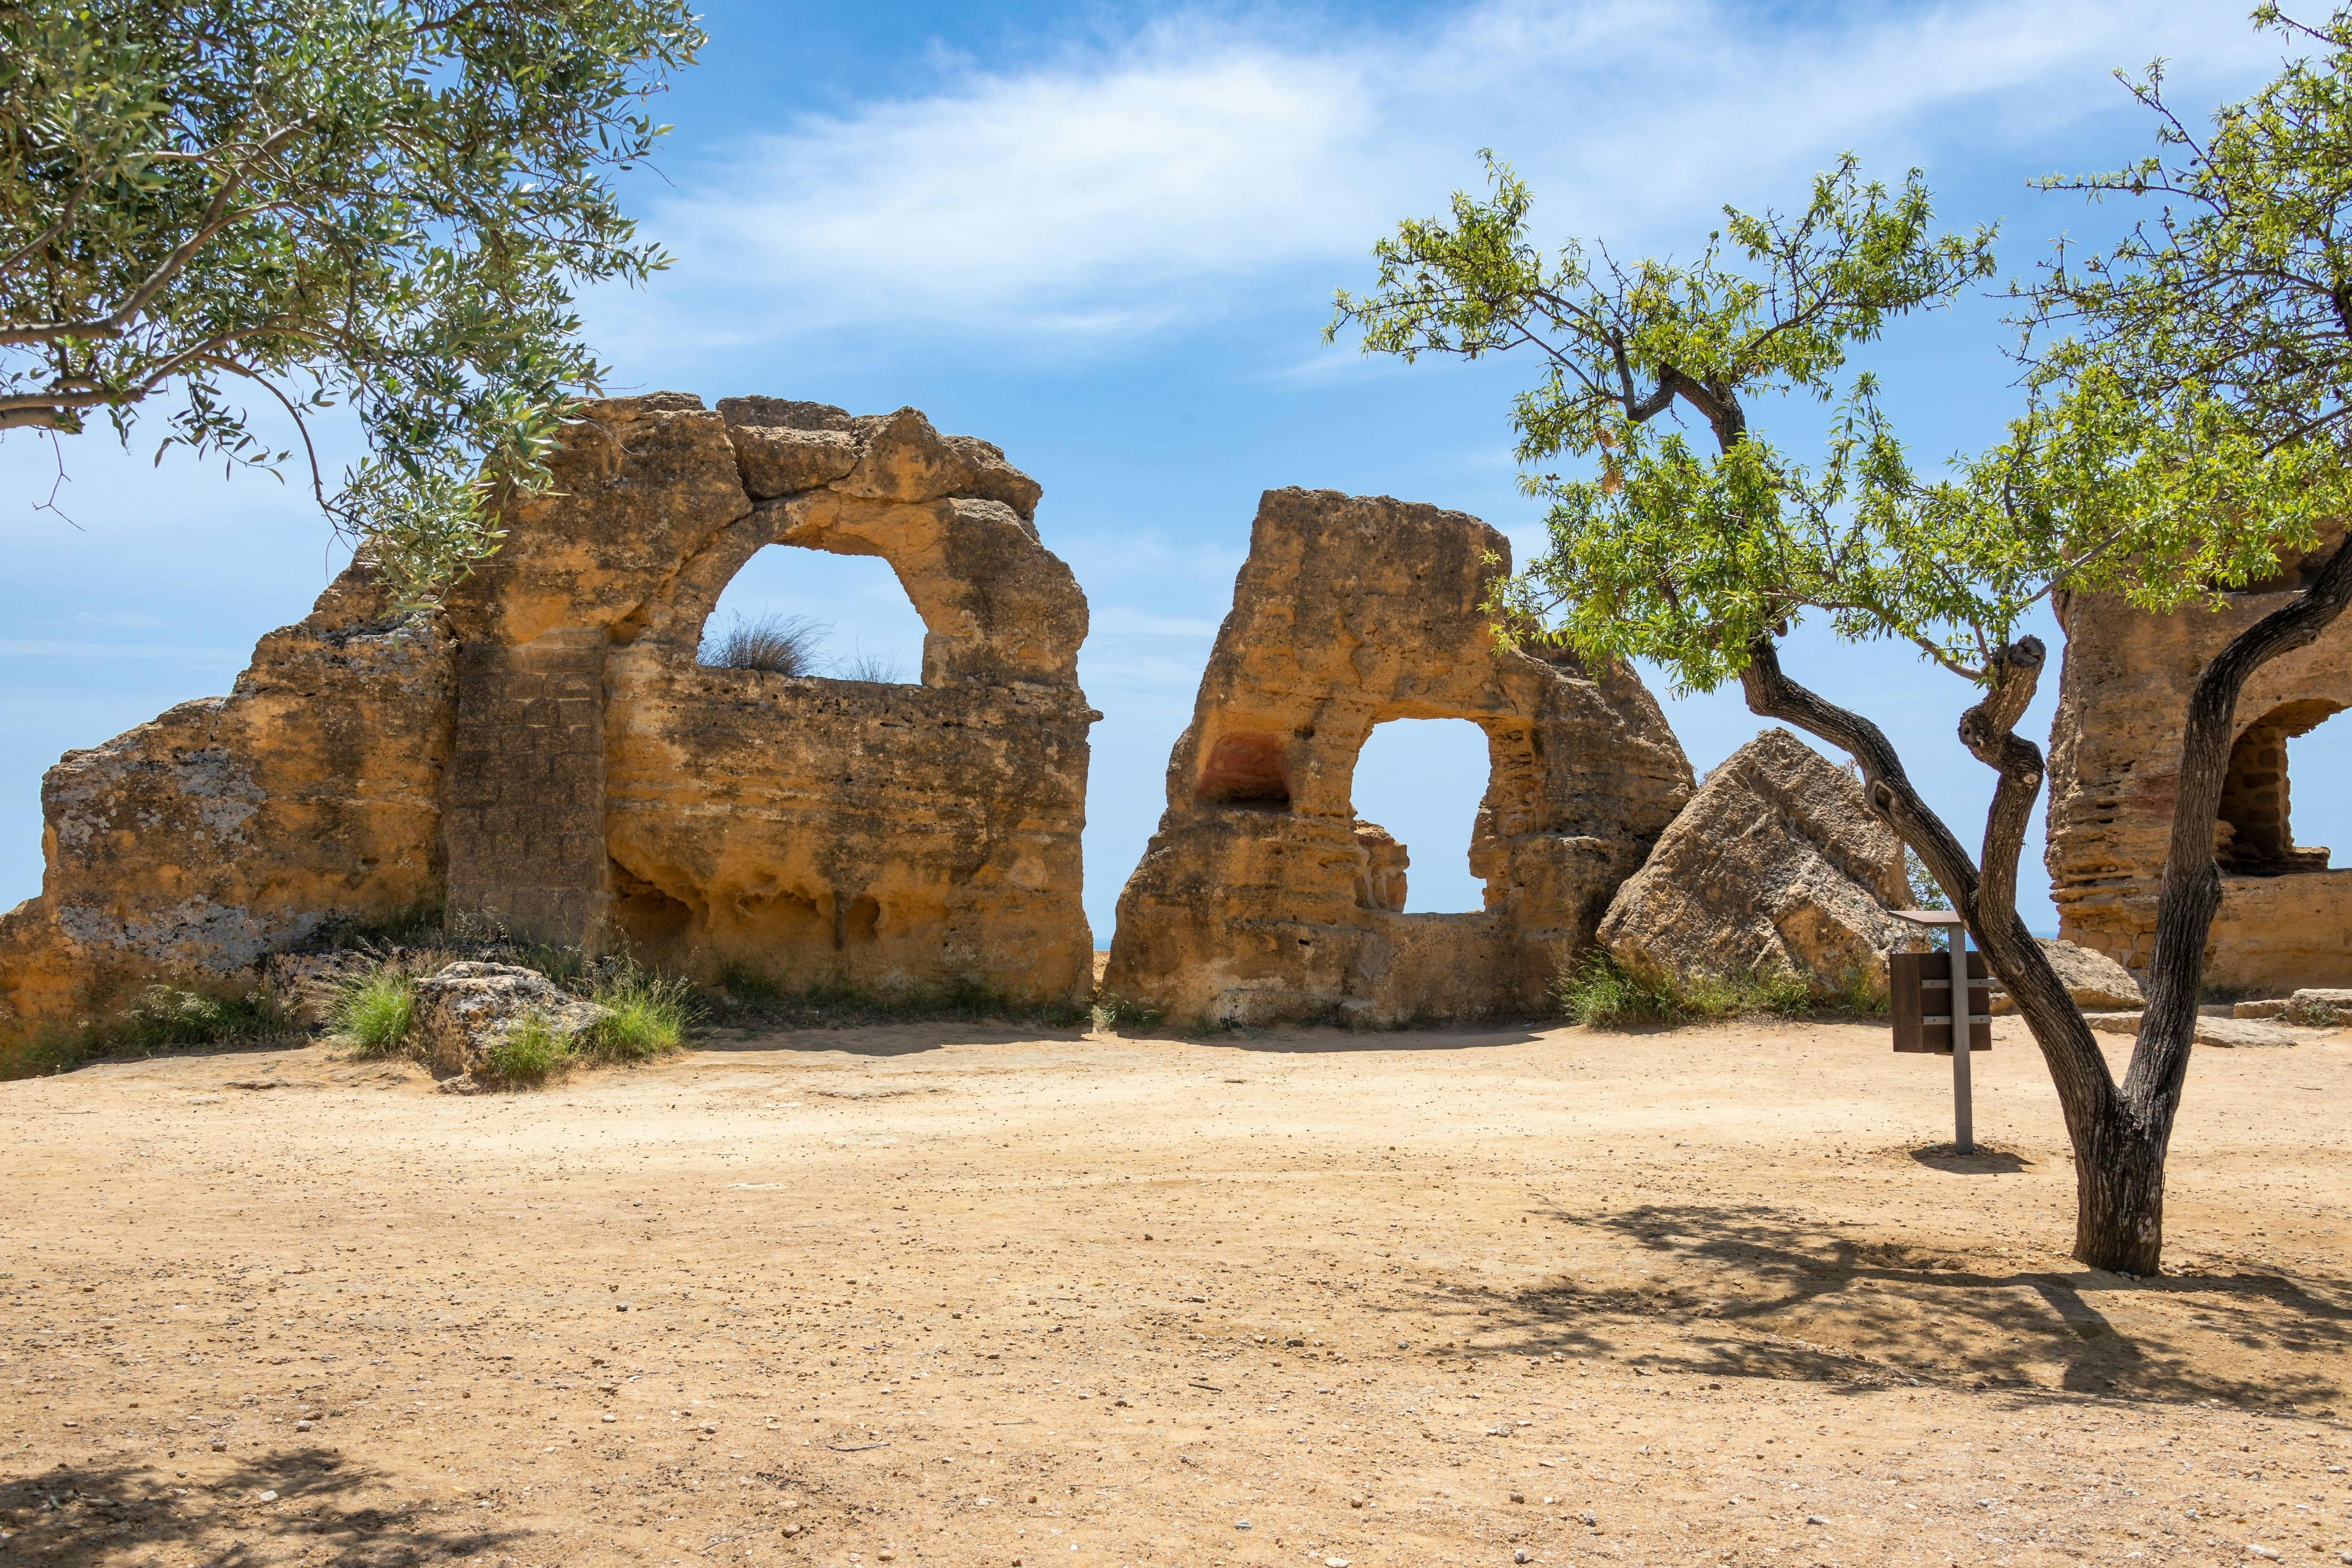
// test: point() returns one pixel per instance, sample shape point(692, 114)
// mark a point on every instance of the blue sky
point(1105, 236)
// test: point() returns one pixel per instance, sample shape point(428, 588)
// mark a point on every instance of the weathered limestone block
point(2285, 919)
point(2319, 1006)
point(904, 459)
point(1262, 898)
point(776, 462)
point(2095, 982)
point(465, 1009)
point(233, 827)
point(1776, 863)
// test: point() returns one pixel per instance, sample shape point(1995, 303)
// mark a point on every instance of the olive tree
point(2182, 428)
point(384, 203)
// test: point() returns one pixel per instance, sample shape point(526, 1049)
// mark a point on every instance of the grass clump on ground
point(162, 1019)
point(528, 1051)
point(646, 1014)
point(1120, 1013)
point(375, 1011)
point(1602, 994)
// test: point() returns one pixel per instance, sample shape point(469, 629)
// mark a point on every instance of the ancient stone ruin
point(1264, 897)
point(2285, 919)
point(546, 755)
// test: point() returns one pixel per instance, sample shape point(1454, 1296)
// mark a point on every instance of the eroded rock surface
point(231, 827)
point(1776, 863)
point(1263, 898)
point(544, 756)
point(465, 1009)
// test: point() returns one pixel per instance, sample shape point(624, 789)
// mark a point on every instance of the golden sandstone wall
point(1263, 898)
point(546, 755)
point(2285, 919)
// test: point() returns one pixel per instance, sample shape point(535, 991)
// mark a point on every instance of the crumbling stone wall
point(2285, 919)
point(545, 755)
point(233, 827)
point(1263, 898)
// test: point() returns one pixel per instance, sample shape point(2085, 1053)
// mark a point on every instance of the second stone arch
point(1262, 899)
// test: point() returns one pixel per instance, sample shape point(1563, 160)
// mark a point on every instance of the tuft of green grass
point(528, 1051)
point(646, 1014)
point(375, 1011)
point(165, 1015)
point(36, 1053)
point(1599, 993)
point(162, 1019)
point(1602, 994)
point(1118, 1013)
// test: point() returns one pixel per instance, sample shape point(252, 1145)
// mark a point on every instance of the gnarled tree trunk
point(2120, 1133)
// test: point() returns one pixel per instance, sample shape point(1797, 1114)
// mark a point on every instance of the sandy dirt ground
point(962, 1296)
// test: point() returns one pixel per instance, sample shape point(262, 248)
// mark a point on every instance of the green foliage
point(375, 1011)
point(528, 1052)
point(49, 1049)
point(379, 203)
point(164, 1017)
point(1670, 552)
point(2193, 384)
point(2189, 397)
point(1119, 1012)
point(647, 1015)
point(1927, 893)
point(1602, 994)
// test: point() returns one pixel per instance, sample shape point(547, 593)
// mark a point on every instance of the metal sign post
point(1939, 1000)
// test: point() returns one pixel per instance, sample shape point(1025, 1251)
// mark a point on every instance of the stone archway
point(1260, 901)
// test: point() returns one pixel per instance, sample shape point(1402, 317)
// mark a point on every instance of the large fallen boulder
point(466, 1010)
point(1776, 863)
point(2096, 982)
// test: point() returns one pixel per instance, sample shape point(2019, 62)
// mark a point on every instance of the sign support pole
point(1963, 1034)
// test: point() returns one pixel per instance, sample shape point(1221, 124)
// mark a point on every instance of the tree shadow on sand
point(1760, 1291)
point(74, 1516)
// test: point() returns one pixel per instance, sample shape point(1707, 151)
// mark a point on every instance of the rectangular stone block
point(523, 821)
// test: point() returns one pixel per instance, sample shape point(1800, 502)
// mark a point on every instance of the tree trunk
point(2121, 1134)
point(2119, 1197)
point(2189, 899)
point(2097, 1121)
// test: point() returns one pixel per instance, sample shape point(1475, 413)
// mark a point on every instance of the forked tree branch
point(1988, 731)
point(2086, 1093)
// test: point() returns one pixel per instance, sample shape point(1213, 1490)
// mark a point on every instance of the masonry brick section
point(524, 819)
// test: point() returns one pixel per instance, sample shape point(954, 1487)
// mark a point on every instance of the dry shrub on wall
point(779, 645)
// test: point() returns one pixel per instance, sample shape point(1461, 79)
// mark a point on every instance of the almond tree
point(382, 203)
point(2184, 428)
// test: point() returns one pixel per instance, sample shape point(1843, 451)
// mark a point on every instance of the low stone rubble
point(467, 1008)
point(2225, 1034)
point(2096, 982)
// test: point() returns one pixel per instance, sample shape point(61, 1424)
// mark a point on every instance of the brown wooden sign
point(1919, 990)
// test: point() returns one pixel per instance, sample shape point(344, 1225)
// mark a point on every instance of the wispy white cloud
point(1125, 189)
